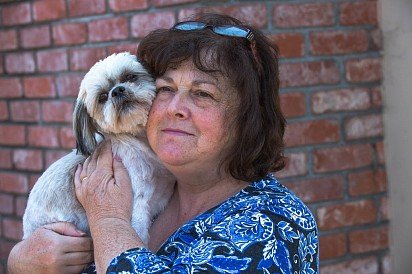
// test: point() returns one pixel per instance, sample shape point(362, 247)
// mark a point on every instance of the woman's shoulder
point(270, 198)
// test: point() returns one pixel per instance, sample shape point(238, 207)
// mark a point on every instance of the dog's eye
point(131, 77)
point(103, 97)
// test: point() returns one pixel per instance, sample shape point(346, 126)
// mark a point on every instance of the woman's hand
point(103, 186)
point(54, 248)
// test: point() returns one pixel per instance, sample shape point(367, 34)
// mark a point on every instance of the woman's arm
point(104, 189)
point(54, 248)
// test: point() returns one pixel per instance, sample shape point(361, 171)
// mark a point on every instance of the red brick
point(25, 111)
point(254, 14)
point(126, 5)
point(57, 111)
point(39, 87)
point(367, 240)
point(367, 182)
point(163, 3)
point(376, 40)
point(311, 132)
point(44, 10)
point(309, 73)
point(364, 127)
point(295, 165)
point(12, 228)
point(333, 246)
point(20, 62)
point(81, 7)
point(293, 104)
point(13, 183)
point(6, 203)
point(10, 88)
point(318, 189)
point(70, 34)
point(53, 155)
point(376, 95)
point(68, 84)
point(4, 111)
point(30, 160)
point(32, 180)
point(359, 13)
point(20, 206)
point(380, 152)
point(142, 24)
point(121, 47)
point(361, 266)
point(8, 39)
point(67, 138)
point(363, 70)
point(35, 37)
point(16, 14)
point(5, 248)
point(52, 60)
point(338, 42)
point(1, 64)
point(347, 214)
point(85, 58)
point(340, 100)
point(108, 29)
point(5, 158)
point(12, 135)
point(341, 158)
point(303, 15)
point(42, 136)
point(290, 44)
point(384, 209)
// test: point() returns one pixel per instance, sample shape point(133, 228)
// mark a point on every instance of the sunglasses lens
point(190, 26)
point(231, 31)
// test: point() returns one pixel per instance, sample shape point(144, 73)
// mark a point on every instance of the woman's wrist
point(112, 236)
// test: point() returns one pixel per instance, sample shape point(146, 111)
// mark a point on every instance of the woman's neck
point(194, 197)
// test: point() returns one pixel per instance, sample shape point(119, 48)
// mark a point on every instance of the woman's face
point(190, 120)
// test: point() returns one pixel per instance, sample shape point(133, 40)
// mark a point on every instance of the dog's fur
point(114, 101)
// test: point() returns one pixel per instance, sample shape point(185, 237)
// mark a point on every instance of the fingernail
point(80, 232)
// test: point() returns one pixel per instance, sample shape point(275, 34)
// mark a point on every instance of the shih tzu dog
point(114, 101)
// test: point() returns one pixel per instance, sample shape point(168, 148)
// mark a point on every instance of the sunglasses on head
point(225, 30)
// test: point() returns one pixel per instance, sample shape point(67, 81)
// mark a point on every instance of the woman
point(216, 125)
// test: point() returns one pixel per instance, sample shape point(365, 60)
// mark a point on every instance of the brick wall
point(331, 95)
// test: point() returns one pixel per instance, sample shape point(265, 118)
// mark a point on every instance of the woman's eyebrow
point(165, 78)
point(207, 82)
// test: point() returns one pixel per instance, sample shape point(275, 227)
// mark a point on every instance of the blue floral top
point(262, 229)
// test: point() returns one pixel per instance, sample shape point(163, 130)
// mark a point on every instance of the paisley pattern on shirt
point(262, 229)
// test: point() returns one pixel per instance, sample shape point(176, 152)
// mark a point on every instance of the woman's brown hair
point(252, 68)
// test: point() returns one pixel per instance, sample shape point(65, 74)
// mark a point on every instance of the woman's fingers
point(79, 258)
point(104, 159)
point(78, 244)
point(65, 228)
point(120, 173)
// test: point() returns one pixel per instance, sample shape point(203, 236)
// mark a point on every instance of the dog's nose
point(118, 91)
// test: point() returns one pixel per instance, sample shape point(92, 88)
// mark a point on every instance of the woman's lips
point(177, 132)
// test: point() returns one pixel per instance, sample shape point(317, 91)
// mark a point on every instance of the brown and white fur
point(114, 101)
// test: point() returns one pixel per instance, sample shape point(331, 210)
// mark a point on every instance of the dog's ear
point(84, 129)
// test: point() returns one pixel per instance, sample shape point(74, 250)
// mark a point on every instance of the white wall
point(396, 23)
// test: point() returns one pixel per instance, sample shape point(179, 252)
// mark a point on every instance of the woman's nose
point(177, 106)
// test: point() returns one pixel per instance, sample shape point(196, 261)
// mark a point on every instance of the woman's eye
point(203, 94)
point(164, 89)
point(103, 97)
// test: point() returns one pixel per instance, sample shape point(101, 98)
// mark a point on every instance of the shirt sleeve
point(247, 241)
